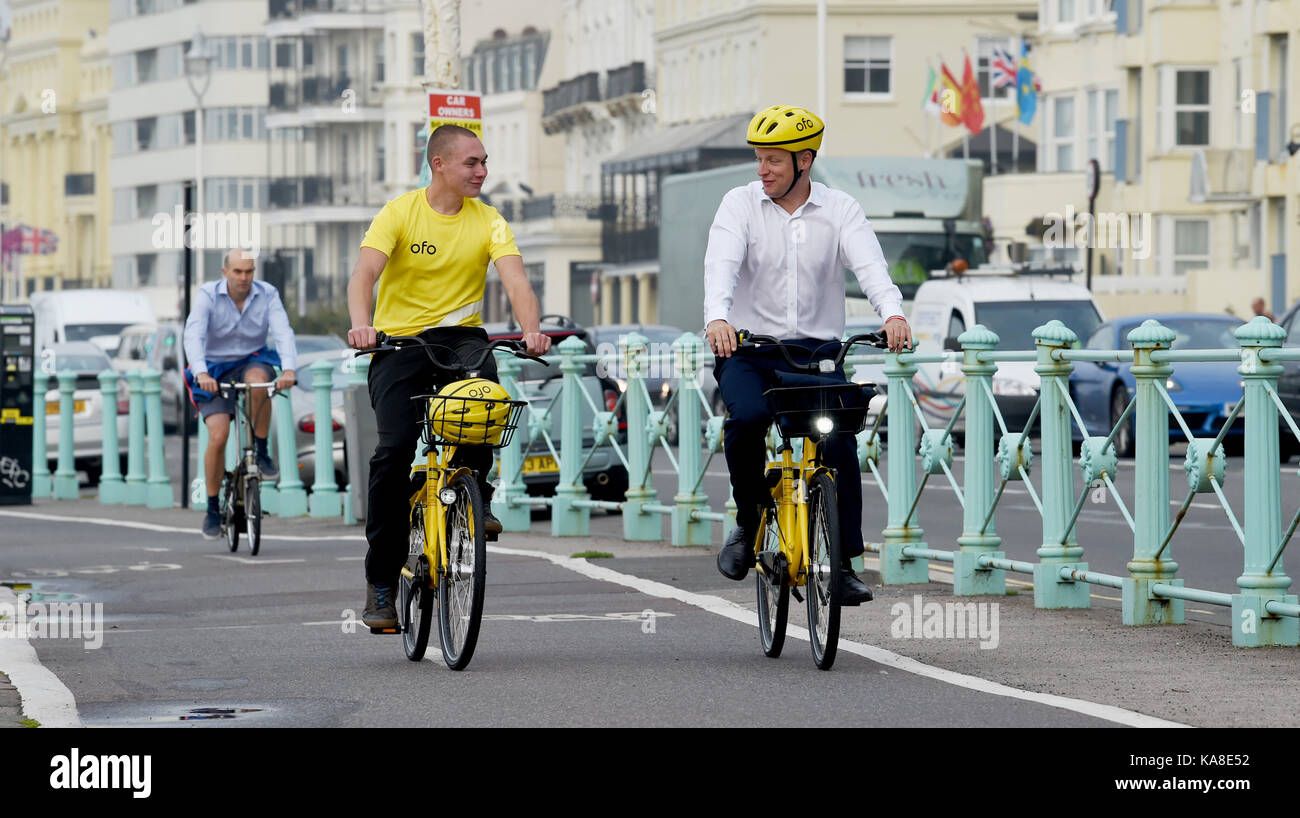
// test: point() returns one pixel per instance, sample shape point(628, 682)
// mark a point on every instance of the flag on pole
point(1027, 87)
point(45, 242)
point(949, 97)
point(931, 102)
point(972, 112)
point(1004, 68)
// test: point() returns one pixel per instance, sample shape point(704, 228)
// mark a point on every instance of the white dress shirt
point(781, 274)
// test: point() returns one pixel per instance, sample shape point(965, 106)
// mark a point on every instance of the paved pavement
point(195, 636)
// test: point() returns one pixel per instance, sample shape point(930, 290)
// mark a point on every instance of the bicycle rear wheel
point(415, 597)
point(462, 582)
point(823, 589)
point(229, 515)
point(253, 513)
point(772, 580)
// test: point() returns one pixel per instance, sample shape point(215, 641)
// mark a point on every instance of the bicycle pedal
point(794, 592)
point(385, 630)
point(491, 536)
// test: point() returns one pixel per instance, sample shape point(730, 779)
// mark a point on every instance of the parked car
point(1288, 384)
point(302, 400)
point(662, 377)
point(1203, 391)
point(98, 316)
point(605, 477)
point(86, 360)
point(1012, 306)
point(159, 347)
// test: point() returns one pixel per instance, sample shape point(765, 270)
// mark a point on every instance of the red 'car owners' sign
point(463, 108)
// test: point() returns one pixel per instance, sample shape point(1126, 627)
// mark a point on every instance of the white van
point(1012, 306)
point(98, 316)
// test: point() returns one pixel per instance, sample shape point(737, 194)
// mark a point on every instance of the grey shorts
point(220, 404)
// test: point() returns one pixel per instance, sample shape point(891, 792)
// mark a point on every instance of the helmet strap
point(794, 157)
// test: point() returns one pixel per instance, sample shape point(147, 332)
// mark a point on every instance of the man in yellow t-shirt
point(428, 250)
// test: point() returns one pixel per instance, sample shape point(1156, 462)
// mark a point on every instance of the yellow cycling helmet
point(787, 127)
point(474, 411)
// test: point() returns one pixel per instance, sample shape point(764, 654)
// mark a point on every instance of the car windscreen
point(76, 362)
point(1015, 321)
point(84, 332)
point(1202, 333)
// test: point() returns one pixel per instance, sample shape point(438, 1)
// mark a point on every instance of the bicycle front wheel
point(253, 513)
point(824, 568)
point(415, 597)
point(772, 579)
point(229, 516)
point(462, 583)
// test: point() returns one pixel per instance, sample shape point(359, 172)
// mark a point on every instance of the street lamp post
point(198, 73)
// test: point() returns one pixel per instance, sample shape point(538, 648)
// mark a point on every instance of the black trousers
point(742, 380)
point(393, 379)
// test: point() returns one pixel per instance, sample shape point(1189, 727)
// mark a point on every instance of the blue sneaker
point(266, 468)
point(211, 526)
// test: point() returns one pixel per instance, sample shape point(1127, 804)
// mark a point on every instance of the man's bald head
point(237, 257)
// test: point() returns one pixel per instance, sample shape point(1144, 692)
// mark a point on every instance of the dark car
point(662, 377)
point(1288, 384)
point(1203, 391)
point(604, 476)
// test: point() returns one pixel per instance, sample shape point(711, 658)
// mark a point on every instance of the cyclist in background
point(773, 266)
point(225, 340)
point(432, 248)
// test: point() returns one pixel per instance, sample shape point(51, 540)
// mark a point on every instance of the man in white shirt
point(777, 249)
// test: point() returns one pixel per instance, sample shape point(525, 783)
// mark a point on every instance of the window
point(1065, 12)
point(867, 66)
point(1063, 128)
point(530, 66)
point(246, 54)
point(1183, 108)
point(417, 151)
point(1102, 111)
point(379, 59)
point(417, 54)
point(144, 268)
point(308, 54)
point(146, 65)
point(984, 47)
point(145, 133)
point(263, 53)
point(284, 55)
point(1090, 149)
point(956, 325)
point(1191, 245)
point(379, 158)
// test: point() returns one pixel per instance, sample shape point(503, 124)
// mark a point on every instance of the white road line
point(250, 560)
point(164, 529)
point(730, 610)
point(44, 697)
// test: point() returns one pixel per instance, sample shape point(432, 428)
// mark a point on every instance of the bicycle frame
point(438, 475)
point(791, 499)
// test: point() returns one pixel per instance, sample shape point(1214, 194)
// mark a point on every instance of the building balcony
point(299, 191)
point(567, 104)
point(620, 245)
point(313, 100)
point(292, 18)
point(288, 9)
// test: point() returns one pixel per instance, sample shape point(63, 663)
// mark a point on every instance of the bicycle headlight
point(825, 425)
point(447, 496)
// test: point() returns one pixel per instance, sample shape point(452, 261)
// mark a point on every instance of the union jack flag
point(1004, 68)
point(45, 242)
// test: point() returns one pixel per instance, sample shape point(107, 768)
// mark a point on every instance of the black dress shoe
point(737, 554)
point(853, 591)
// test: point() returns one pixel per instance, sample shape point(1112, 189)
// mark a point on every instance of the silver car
point(86, 360)
point(158, 347)
point(302, 399)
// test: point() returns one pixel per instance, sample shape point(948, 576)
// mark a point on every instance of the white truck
point(98, 316)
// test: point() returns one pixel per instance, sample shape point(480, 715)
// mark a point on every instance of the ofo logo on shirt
point(423, 247)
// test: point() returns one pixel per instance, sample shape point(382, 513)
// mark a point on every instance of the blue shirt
point(218, 331)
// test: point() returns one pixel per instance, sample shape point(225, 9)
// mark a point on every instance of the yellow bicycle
point(798, 540)
point(448, 543)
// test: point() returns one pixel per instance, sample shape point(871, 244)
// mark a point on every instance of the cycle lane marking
point(722, 607)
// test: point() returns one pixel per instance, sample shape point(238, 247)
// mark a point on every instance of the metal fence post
point(325, 500)
point(1150, 486)
point(65, 476)
point(159, 492)
point(978, 540)
point(291, 499)
point(137, 491)
point(895, 567)
point(513, 517)
point(112, 491)
point(1252, 625)
point(41, 485)
point(687, 530)
point(1058, 550)
point(567, 519)
point(639, 524)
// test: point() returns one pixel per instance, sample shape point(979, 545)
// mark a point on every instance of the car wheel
point(671, 417)
point(1124, 436)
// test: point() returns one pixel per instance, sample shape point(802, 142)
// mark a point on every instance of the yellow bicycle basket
point(474, 411)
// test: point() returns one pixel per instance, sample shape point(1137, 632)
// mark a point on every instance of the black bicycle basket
point(458, 420)
point(802, 411)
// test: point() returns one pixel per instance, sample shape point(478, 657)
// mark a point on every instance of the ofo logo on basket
point(949, 620)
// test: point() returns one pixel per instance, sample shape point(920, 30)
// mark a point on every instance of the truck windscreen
point(1015, 321)
point(84, 332)
point(911, 257)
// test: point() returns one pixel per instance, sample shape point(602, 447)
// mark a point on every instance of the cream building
point(1188, 108)
point(55, 141)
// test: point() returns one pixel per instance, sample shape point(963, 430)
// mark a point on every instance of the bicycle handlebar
point(269, 386)
point(394, 343)
point(748, 340)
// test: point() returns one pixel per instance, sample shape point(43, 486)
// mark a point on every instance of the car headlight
point(1012, 387)
point(1171, 385)
point(665, 390)
point(622, 384)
